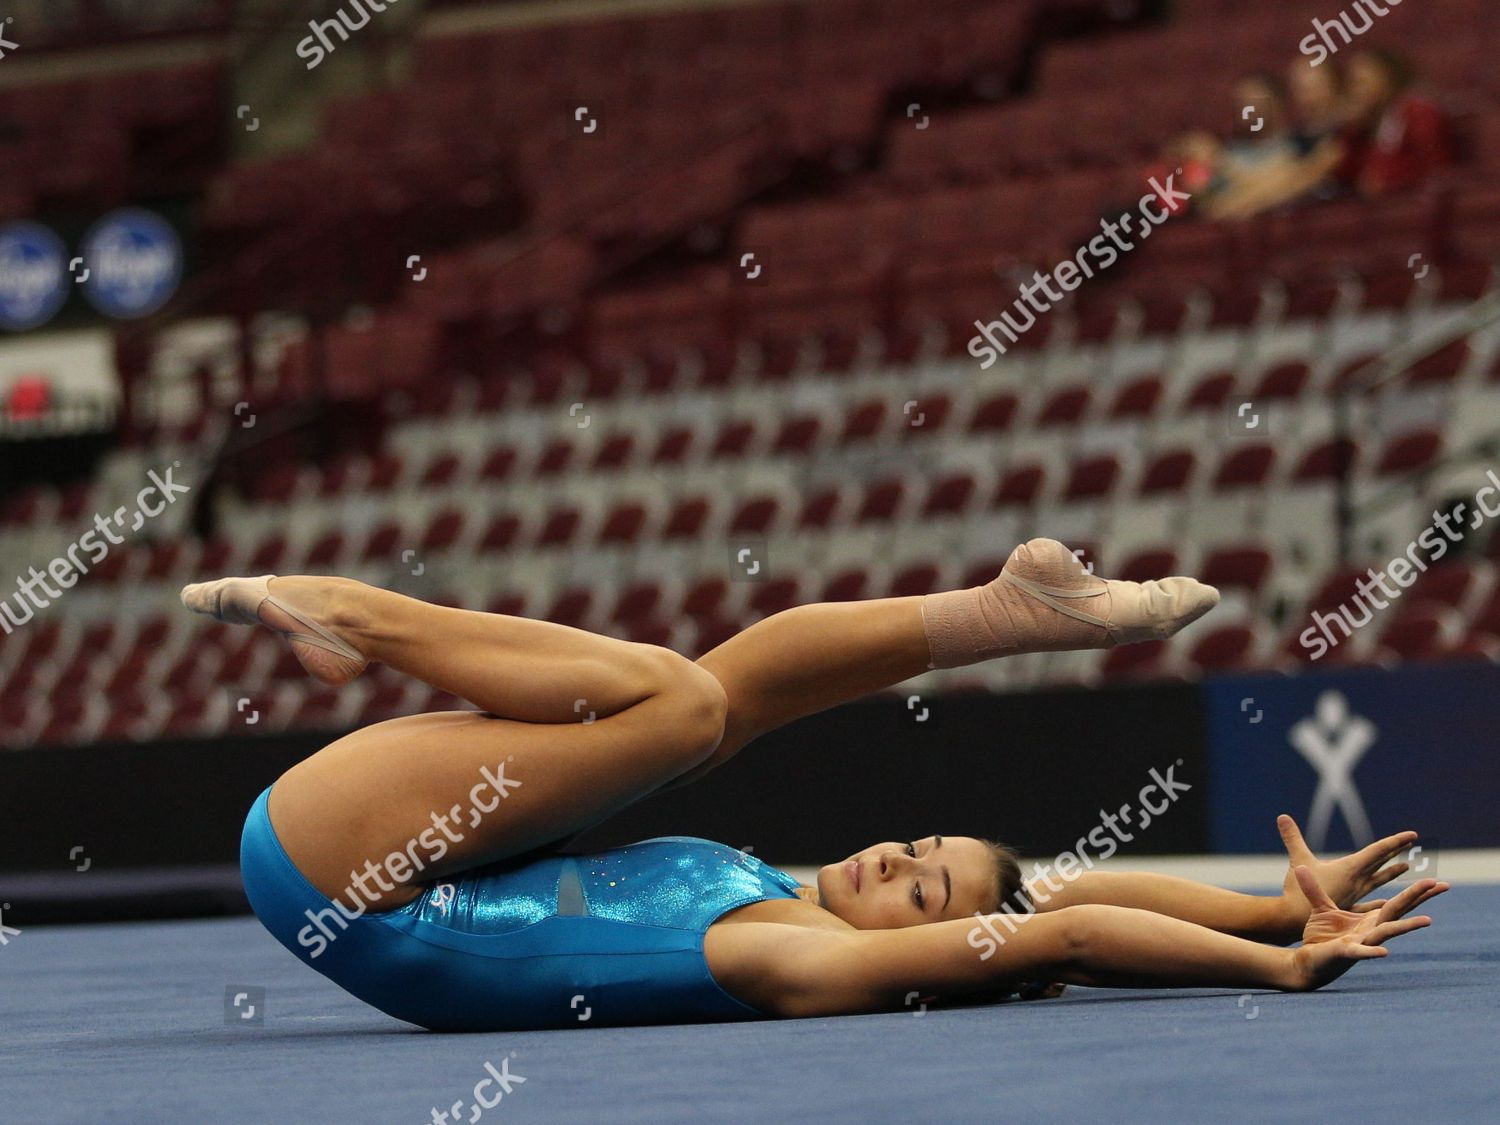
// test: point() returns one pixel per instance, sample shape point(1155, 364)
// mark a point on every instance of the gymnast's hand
point(1345, 880)
point(1335, 939)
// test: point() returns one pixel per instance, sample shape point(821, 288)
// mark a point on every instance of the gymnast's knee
point(701, 705)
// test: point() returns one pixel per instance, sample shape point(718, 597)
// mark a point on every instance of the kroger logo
point(33, 276)
point(135, 264)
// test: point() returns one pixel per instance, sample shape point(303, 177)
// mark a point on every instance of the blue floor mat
point(127, 1023)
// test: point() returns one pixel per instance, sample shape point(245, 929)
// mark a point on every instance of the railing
point(1375, 374)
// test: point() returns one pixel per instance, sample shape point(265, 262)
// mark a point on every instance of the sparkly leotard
point(611, 938)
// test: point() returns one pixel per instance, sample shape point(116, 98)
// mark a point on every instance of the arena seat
point(1169, 472)
point(1243, 568)
point(1409, 453)
point(1020, 486)
point(1134, 662)
point(1224, 649)
point(1137, 399)
point(1092, 478)
point(950, 495)
point(1245, 468)
point(1160, 562)
point(993, 414)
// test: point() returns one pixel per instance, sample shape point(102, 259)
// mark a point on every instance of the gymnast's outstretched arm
point(1274, 918)
point(797, 971)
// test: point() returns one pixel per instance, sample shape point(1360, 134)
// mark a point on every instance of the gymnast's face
point(888, 886)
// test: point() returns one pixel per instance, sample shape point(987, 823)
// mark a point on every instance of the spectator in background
point(1318, 108)
point(1317, 159)
point(1264, 130)
point(1215, 172)
point(1401, 138)
point(1194, 162)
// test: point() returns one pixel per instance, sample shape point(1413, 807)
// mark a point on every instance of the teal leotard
point(610, 938)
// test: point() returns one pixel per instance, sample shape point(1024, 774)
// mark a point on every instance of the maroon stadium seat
point(1065, 407)
point(1168, 472)
point(1243, 468)
point(1409, 453)
point(1138, 398)
point(614, 452)
point(915, 580)
point(1160, 562)
point(993, 414)
point(1224, 649)
point(1211, 392)
point(819, 509)
point(499, 464)
point(848, 585)
point(571, 606)
point(555, 458)
point(775, 595)
point(443, 531)
point(639, 600)
point(950, 495)
point(863, 422)
point(501, 533)
point(560, 527)
point(734, 439)
point(1092, 477)
point(1244, 568)
point(326, 552)
point(881, 502)
point(1138, 661)
point(1020, 486)
point(1322, 462)
point(755, 516)
point(623, 524)
point(705, 598)
point(797, 436)
point(1285, 381)
point(1451, 583)
point(687, 518)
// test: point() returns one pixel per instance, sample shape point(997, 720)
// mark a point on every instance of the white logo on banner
point(1333, 741)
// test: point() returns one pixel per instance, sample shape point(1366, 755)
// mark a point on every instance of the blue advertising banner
point(134, 258)
point(1356, 754)
point(33, 276)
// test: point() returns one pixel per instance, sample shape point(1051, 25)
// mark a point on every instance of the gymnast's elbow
point(1070, 938)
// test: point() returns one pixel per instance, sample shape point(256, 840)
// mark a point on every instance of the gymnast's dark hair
point(1011, 898)
point(1011, 895)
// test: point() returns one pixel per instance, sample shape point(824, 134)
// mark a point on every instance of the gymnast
point(418, 862)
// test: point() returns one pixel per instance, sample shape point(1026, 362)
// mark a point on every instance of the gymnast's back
point(603, 939)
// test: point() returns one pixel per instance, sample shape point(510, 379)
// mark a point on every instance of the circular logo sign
point(33, 276)
point(135, 264)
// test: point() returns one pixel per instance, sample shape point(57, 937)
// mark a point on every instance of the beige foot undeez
point(249, 601)
point(1045, 601)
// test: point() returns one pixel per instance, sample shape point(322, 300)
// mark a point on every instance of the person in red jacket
point(1405, 137)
